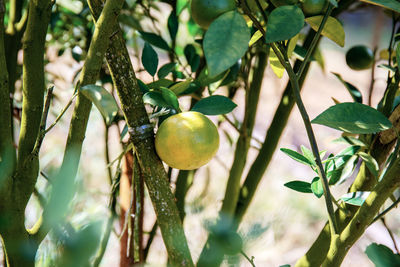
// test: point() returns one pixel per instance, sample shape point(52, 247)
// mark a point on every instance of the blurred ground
point(288, 222)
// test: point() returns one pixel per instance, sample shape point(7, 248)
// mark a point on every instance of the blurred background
point(280, 224)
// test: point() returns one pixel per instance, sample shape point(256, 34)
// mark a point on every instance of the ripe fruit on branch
point(187, 140)
point(206, 11)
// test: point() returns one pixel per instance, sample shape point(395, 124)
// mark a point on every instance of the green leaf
point(143, 87)
point(333, 28)
point(389, 4)
point(308, 154)
point(348, 168)
point(316, 187)
point(382, 256)
point(155, 99)
point(350, 140)
point(170, 98)
point(166, 69)
point(354, 92)
point(214, 105)
point(206, 79)
point(149, 59)
point(130, 21)
point(284, 22)
point(181, 87)
point(353, 118)
point(155, 40)
point(275, 64)
point(299, 186)
point(355, 198)
point(192, 57)
point(225, 42)
point(103, 100)
point(296, 156)
point(173, 25)
point(370, 162)
point(160, 83)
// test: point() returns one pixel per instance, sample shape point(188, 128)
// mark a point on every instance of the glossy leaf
point(299, 186)
point(166, 69)
point(389, 4)
point(284, 22)
point(354, 92)
point(371, 163)
point(308, 154)
point(181, 87)
point(225, 42)
point(255, 37)
point(348, 169)
point(155, 99)
point(333, 29)
point(173, 24)
point(149, 59)
point(353, 118)
point(296, 156)
point(382, 256)
point(316, 187)
point(276, 65)
point(355, 198)
point(103, 100)
point(155, 40)
point(350, 140)
point(192, 57)
point(214, 105)
point(170, 98)
point(160, 83)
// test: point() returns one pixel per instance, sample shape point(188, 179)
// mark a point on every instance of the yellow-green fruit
point(187, 140)
point(206, 11)
point(314, 7)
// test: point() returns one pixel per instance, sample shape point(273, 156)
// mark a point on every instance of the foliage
point(199, 58)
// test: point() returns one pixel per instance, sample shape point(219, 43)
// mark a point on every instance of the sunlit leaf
point(333, 29)
point(389, 4)
point(355, 198)
point(296, 156)
point(371, 163)
point(299, 186)
point(316, 187)
point(103, 100)
point(353, 118)
point(284, 22)
point(225, 41)
point(214, 105)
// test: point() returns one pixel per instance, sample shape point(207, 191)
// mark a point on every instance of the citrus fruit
point(206, 11)
point(359, 57)
point(279, 3)
point(187, 140)
point(314, 7)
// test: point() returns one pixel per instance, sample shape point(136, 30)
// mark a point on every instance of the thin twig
point(383, 213)
point(42, 126)
point(62, 113)
point(250, 260)
point(391, 235)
